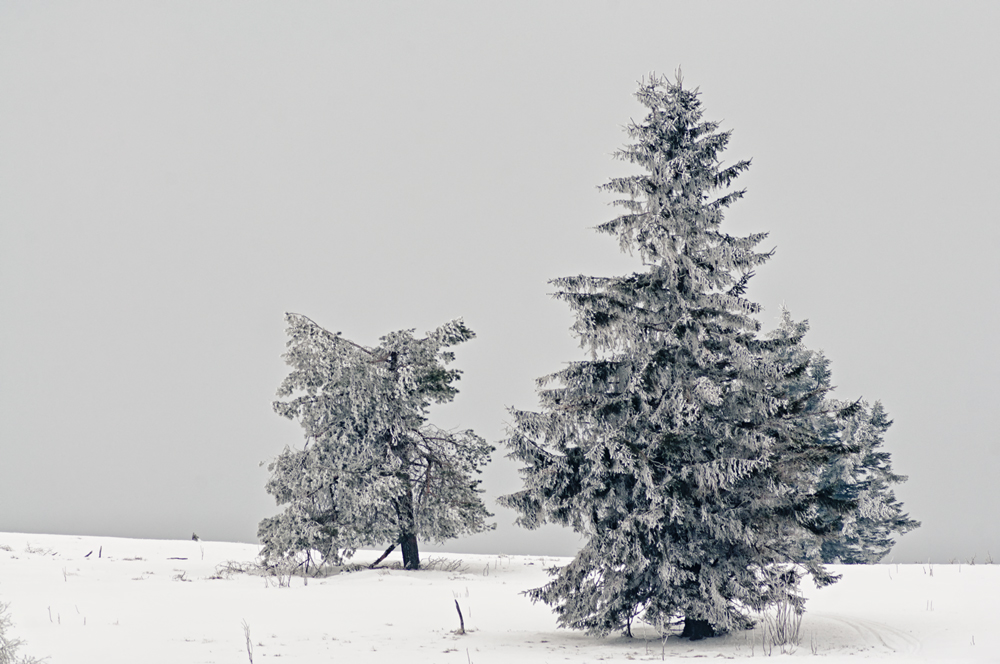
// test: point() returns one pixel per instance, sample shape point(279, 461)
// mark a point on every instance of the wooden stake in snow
point(461, 620)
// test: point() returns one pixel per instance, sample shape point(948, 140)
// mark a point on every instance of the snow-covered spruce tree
point(372, 470)
point(860, 475)
point(864, 475)
point(680, 449)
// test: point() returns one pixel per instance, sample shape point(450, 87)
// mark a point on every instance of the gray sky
point(175, 176)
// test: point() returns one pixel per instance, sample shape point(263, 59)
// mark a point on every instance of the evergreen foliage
point(865, 475)
point(372, 470)
point(860, 476)
point(687, 448)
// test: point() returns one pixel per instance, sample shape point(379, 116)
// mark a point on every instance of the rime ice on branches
point(372, 470)
point(685, 450)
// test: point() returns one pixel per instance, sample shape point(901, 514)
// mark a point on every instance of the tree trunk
point(408, 529)
point(411, 556)
point(697, 629)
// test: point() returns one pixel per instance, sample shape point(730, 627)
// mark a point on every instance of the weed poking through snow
point(246, 634)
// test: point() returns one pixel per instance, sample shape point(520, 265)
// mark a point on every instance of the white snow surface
point(162, 601)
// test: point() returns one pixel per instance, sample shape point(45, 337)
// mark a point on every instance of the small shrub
point(782, 627)
point(444, 565)
point(8, 645)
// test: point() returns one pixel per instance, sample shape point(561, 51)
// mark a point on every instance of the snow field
point(165, 601)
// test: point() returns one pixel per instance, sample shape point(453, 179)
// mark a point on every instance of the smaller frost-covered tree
point(865, 476)
point(860, 476)
point(372, 470)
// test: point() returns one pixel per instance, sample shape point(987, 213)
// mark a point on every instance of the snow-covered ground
point(90, 600)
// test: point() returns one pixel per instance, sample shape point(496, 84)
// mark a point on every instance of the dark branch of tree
point(426, 437)
point(383, 556)
point(426, 483)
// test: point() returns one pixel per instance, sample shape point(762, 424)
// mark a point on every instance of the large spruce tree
point(372, 470)
point(684, 450)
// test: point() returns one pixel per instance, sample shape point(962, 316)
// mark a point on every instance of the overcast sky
point(175, 176)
